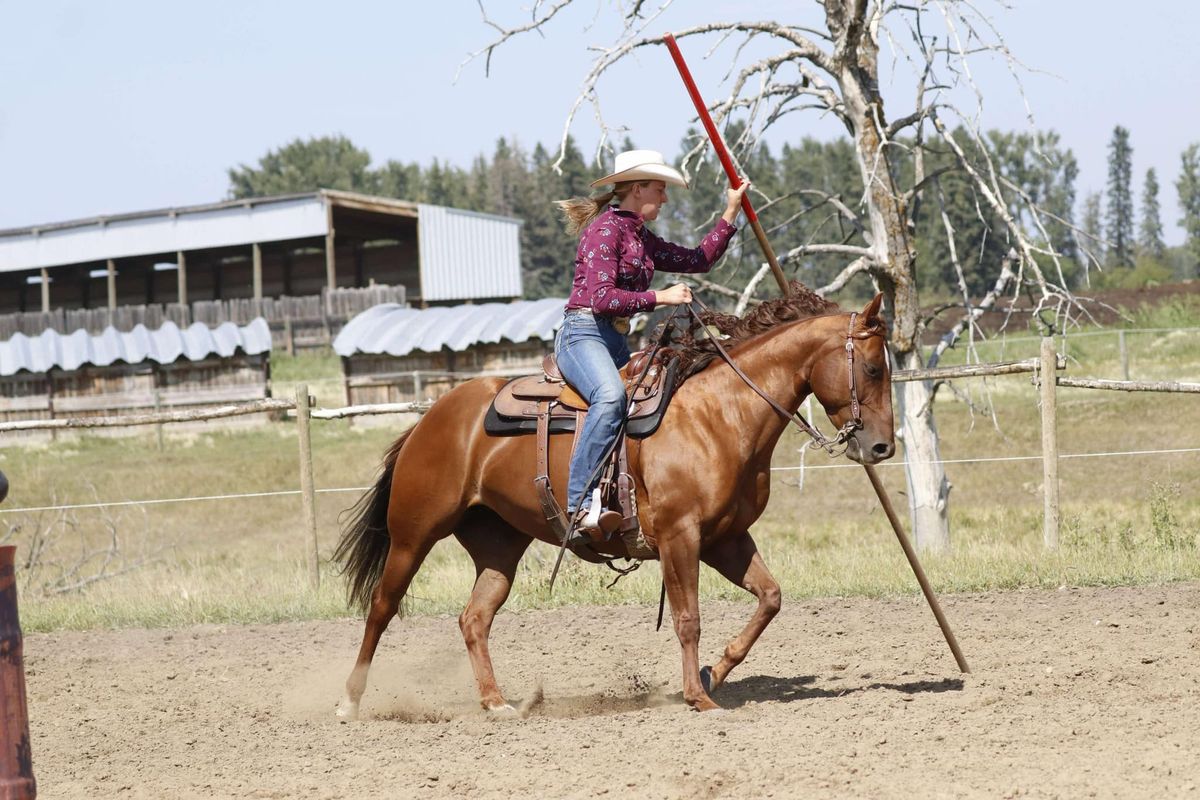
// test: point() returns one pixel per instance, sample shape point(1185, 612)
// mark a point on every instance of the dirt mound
point(1075, 693)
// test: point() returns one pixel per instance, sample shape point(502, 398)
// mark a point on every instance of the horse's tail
point(364, 546)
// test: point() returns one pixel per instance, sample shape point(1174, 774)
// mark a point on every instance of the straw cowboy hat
point(643, 165)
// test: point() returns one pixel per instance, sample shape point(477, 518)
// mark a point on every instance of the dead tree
point(831, 67)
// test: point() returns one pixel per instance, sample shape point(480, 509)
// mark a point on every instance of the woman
point(616, 260)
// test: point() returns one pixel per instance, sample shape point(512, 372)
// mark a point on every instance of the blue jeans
point(589, 351)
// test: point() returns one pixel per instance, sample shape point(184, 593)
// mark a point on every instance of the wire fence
point(1049, 362)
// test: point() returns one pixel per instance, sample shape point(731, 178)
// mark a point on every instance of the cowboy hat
point(643, 165)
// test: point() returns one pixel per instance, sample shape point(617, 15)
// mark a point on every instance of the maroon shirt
point(617, 257)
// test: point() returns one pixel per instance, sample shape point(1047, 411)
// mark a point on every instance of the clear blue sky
point(129, 105)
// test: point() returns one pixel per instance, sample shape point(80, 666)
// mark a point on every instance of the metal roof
point(466, 254)
point(54, 350)
point(462, 254)
point(170, 230)
point(398, 331)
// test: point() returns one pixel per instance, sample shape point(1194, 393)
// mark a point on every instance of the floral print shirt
point(617, 257)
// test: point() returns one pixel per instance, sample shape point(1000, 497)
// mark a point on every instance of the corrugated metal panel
point(166, 345)
point(465, 254)
point(398, 331)
point(119, 238)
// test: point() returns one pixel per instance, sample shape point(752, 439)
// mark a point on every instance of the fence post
point(307, 493)
point(16, 758)
point(1124, 355)
point(288, 338)
point(1048, 375)
point(158, 429)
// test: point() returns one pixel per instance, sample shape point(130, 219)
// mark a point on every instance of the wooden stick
point(913, 562)
point(1131, 386)
point(769, 252)
point(197, 415)
point(1048, 378)
point(307, 493)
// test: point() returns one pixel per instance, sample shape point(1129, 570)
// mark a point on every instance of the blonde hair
point(578, 212)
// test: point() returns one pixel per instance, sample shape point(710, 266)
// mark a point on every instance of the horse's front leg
point(737, 558)
point(680, 556)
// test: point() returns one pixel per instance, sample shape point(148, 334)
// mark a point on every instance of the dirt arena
point(1076, 693)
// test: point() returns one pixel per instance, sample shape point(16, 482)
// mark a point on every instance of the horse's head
point(855, 384)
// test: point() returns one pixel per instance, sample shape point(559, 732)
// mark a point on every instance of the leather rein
point(819, 440)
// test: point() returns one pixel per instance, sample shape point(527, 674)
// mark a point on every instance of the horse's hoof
point(347, 710)
point(505, 710)
point(706, 679)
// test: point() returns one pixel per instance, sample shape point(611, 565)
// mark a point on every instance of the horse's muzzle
point(866, 450)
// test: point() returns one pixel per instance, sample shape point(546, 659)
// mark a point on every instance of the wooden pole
point(307, 492)
point(158, 429)
point(16, 758)
point(256, 268)
point(112, 284)
point(330, 253)
point(1048, 375)
point(288, 339)
point(1121, 343)
point(913, 562)
point(769, 252)
point(45, 273)
point(181, 275)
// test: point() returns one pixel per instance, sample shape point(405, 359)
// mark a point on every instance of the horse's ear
point(870, 318)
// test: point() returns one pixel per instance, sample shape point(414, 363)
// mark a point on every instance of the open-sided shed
point(393, 354)
point(80, 374)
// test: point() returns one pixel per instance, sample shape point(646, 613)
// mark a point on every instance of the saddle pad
point(646, 417)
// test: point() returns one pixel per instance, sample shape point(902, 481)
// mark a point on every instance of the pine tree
point(1120, 199)
point(1151, 239)
point(1188, 187)
point(402, 181)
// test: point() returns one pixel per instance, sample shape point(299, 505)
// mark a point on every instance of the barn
point(393, 354)
point(329, 253)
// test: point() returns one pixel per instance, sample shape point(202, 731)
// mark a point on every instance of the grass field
point(1126, 519)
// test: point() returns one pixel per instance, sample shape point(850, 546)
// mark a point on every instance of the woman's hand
point(677, 295)
point(733, 201)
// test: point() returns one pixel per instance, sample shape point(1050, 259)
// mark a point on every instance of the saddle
point(545, 404)
point(515, 409)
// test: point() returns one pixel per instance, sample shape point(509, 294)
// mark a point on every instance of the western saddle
point(545, 404)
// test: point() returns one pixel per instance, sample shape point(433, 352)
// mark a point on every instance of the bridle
point(819, 440)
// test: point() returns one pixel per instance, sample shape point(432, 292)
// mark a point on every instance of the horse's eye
point(873, 371)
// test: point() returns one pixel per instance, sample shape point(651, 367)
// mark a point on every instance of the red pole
point(16, 760)
point(722, 152)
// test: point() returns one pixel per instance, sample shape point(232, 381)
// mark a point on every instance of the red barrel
point(16, 757)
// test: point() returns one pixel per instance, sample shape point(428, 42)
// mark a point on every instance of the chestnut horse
point(702, 480)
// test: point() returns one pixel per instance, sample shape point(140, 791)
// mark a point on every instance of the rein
point(819, 440)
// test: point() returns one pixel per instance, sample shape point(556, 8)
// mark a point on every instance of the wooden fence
point(1049, 362)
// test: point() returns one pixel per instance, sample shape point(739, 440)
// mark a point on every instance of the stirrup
point(598, 525)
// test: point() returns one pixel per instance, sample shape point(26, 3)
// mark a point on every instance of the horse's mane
point(697, 353)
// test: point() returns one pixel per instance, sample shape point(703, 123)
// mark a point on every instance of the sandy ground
point(1076, 693)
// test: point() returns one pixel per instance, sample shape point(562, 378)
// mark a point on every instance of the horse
point(702, 480)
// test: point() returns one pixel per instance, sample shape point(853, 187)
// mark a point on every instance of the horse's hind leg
point(404, 558)
point(496, 548)
point(738, 559)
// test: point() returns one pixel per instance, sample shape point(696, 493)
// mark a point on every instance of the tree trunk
point(928, 489)
point(856, 63)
